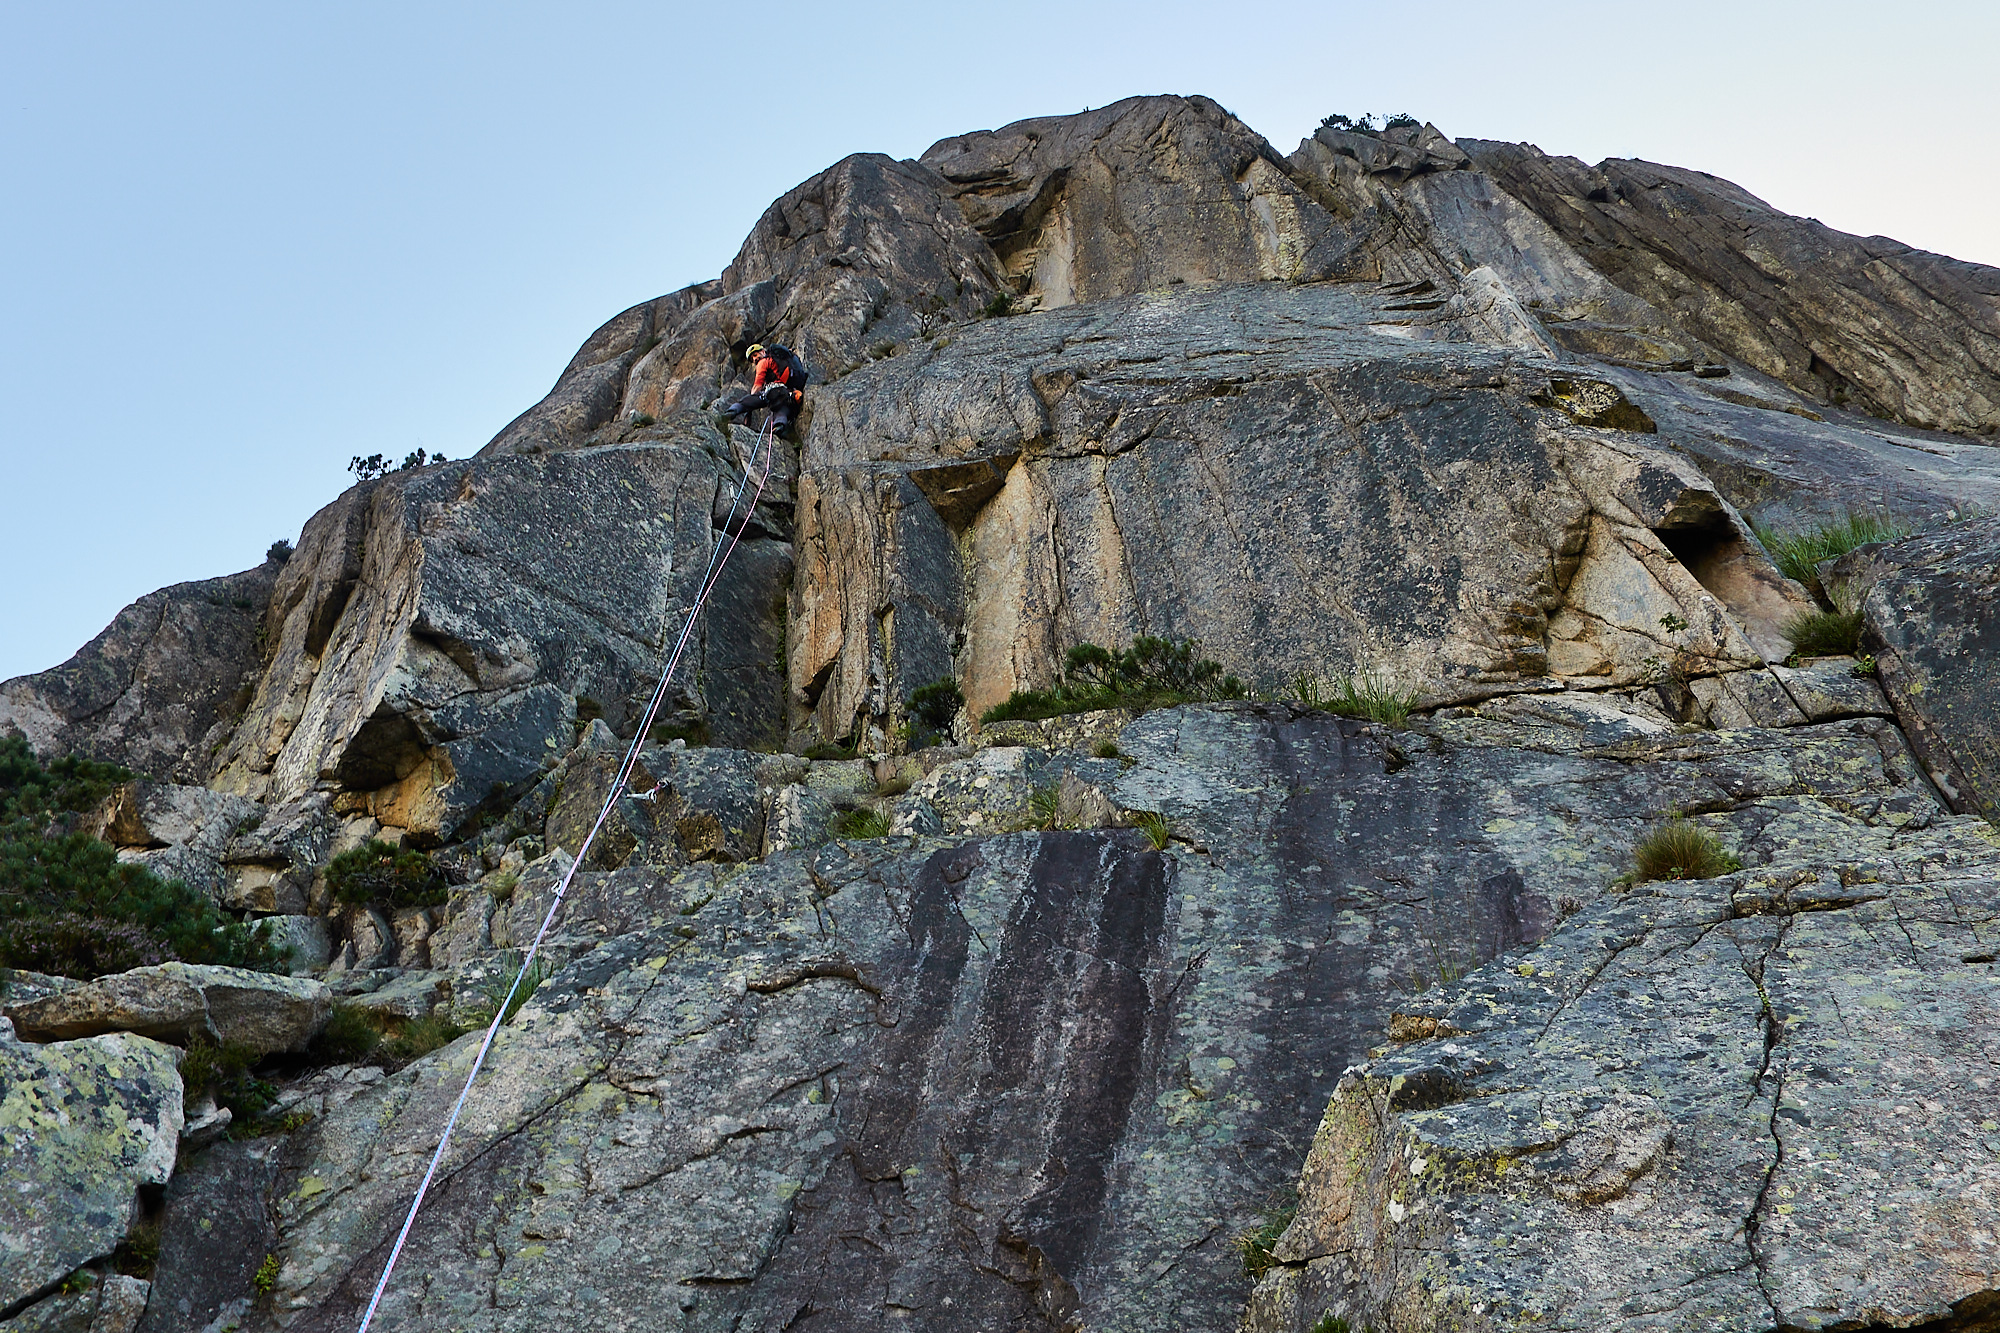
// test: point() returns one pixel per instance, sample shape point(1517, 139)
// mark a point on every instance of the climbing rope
point(718, 559)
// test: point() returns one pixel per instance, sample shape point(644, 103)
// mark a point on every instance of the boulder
point(412, 995)
point(1825, 688)
point(177, 832)
point(113, 1303)
point(1932, 603)
point(216, 1233)
point(1703, 1105)
point(255, 1011)
point(83, 1124)
point(159, 688)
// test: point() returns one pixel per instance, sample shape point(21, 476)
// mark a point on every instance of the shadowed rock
point(1933, 604)
point(159, 687)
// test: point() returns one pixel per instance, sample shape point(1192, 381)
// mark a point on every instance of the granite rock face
point(83, 1124)
point(1933, 604)
point(1150, 192)
point(1082, 1060)
point(112, 1304)
point(159, 687)
point(1859, 321)
point(1754, 1102)
point(435, 629)
point(1268, 469)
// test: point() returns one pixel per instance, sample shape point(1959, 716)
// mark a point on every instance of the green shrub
point(1681, 849)
point(265, 1280)
point(1824, 633)
point(1152, 673)
point(834, 750)
point(384, 874)
point(349, 1037)
point(1104, 748)
point(139, 1253)
point(1332, 1323)
point(936, 705)
point(1798, 553)
point(68, 945)
point(418, 1037)
point(1000, 306)
point(70, 907)
point(861, 823)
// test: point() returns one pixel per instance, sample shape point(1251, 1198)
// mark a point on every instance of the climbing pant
point(781, 400)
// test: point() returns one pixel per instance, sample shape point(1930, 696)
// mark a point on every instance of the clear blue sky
point(244, 243)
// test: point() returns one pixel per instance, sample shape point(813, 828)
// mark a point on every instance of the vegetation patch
point(1152, 673)
point(1681, 849)
point(70, 907)
point(1156, 828)
point(349, 1037)
point(1365, 696)
point(1798, 553)
point(224, 1072)
point(861, 823)
point(1258, 1246)
point(934, 707)
point(383, 874)
point(1824, 633)
point(505, 997)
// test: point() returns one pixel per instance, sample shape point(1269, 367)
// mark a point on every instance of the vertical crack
point(1774, 1032)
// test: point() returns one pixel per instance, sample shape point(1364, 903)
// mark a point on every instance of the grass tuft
point(1257, 1246)
point(1799, 553)
point(1366, 696)
point(860, 824)
point(1824, 633)
point(531, 981)
point(1156, 828)
point(1681, 849)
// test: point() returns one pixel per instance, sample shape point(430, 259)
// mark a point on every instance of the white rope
point(717, 559)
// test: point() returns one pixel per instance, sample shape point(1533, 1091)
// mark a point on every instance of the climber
point(778, 381)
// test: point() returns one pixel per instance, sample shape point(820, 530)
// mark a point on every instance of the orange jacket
point(768, 367)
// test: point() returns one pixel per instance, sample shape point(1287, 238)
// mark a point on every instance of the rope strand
point(718, 559)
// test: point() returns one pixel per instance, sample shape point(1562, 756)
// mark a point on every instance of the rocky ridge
point(1494, 428)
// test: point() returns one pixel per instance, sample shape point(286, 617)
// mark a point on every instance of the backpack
point(791, 371)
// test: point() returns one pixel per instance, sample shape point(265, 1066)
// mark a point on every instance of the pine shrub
point(70, 907)
point(383, 874)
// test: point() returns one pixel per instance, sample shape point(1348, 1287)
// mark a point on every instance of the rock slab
point(178, 1001)
point(83, 1124)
